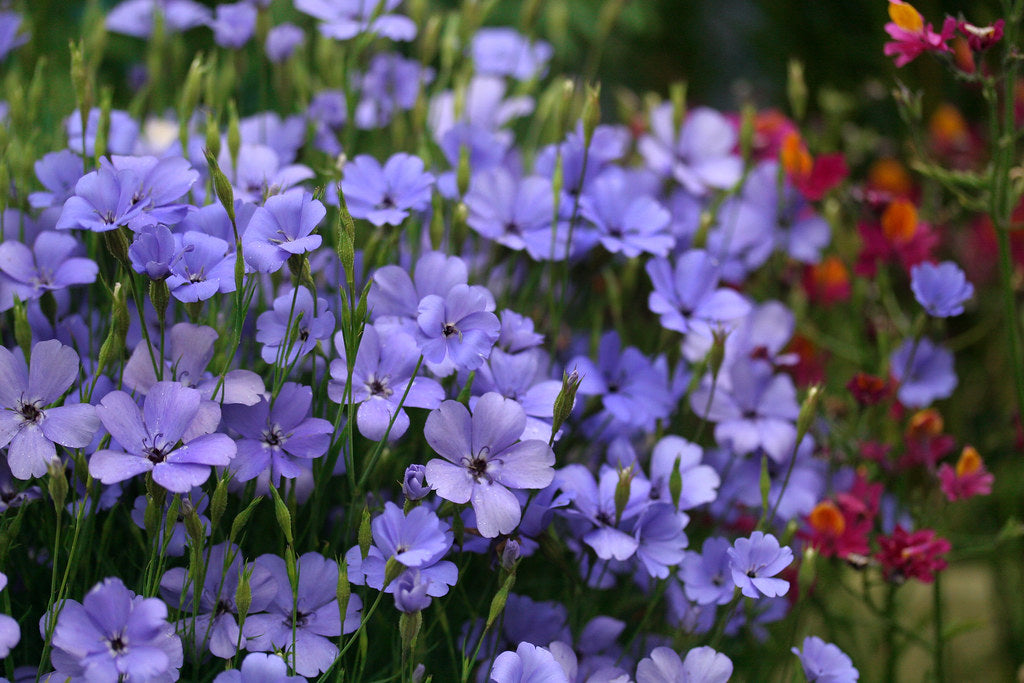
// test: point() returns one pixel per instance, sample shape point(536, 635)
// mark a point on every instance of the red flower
point(981, 38)
point(813, 177)
point(925, 443)
point(827, 282)
point(837, 532)
point(969, 479)
point(916, 555)
point(868, 389)
point(911, 36)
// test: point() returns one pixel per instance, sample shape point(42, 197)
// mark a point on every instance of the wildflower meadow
point(371, 340)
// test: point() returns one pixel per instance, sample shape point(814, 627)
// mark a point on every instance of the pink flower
point(969, 479)
point(911, 36)
point(981, 38)
point(912, 555)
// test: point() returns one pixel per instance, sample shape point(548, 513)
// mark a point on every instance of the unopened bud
point(499, 600)
point(193, 525)
point(221, 185)
point(748, 130)
point(22, 330)
point(675, 482)
point(808, 409)
point(765, 486)
point(591, 113)
point(243, 593)
point(462, 173)
point(159, 296)
point(510, 554)
point(716, 356)
point(219, 500)
point(365, 535)
point(677, 95)
point(117, 243)
point(392, 570)
point(103, 129)
point(282, 514)
point(622, 490)
point(808, 570)
point(343, 591)
point(56, 484)
point(565, 400)
point(234, 133)
point(291, 568)
point(414, 483)
point(242, 519)
point(212, 135)
point(796, 89)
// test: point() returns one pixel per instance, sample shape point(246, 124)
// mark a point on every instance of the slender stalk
point(940, 669)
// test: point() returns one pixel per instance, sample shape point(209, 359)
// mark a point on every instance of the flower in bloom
point(124, 130)
point(293, 327)
point(968, 479)
point(380, 376)
point(825, 663)
point(233, 24)
point(136, 17)
point(598, 518)
point(114, 634)
point(627, 220)
point(457, 331)
point(523, 378)
point(27, 426)
point(911, 36)
point(924, 371)
point(206, 267)
point(981, 38)
point(103, 200)
point(385, 195)
point(827, 282)
point(344, 20)
point(10, 632)
point(837, 529)
point(394, 296)
point(705, 574)
point(281, 436)
point(151, 439)
point(701, 665)
point(687, 293)
point(216, 626)
point(302, 626)
point(753, 561)
point(282, 41)
point(391, 83)
point(10, 38)
point(153, 251)
point(280, 228)
point(502, 51)
point(528, 664)
point(49, 266)
point(912, 555)
point(483, 459)
point(941, 288)
point(259, 667)
point(867, 389)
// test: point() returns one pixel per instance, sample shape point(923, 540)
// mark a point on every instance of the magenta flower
point(151, 439)
point(911, 36)
point(27, 426)
point(483, 459)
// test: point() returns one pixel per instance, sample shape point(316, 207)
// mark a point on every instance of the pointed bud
point(462, 173)
point(565, 401)
point(464, 393)
point(291, 568)
point(808, 570)
point(437, 222)
point(499, 600)
point(242, 519)
point(57, 484)
point(219, 500)
point(765, 486)
point(212, 136)
point(622, 490)
point(221, 185)
point(243, 593)
point(82, 84)
point(171, 519)
point(748, 130)
point(808, 410)
point(510, 555)
point(22, 330)
point(796, 89)
point(112, 347)
point(591, 113)
point(117, 243)
point(409, 627)
point(190, 91)
point(716, 356)
point(103, 129)
point(346, 246)
point(159, 296)
point(675, 482)
point(234, 133)
point(392, 570)
point(365, 533)
point(343, 591)
point(282, 514)
point(677, 95)
point(193, 525)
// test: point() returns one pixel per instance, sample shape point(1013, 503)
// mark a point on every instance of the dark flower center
point(304, 334)
point(388, 202)
point(273, 436)
point(7, 496)
point(117, 644)
point(751, 574)
point(449, 329)
point(301, 618)
point(477, 465)
point(108, 217)
point(30, 412)
point(378, 386)
point(155, 453)
point(605, 518)
point(223, 607)
point(513, 228)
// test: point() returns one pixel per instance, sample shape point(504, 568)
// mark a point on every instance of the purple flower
point(260, 172)
point(699, 482)
point(206, 267)
point(345, 19)
point(924, 371)
point(279, 436)
point(154, 251)
point(522, 378)
point(280, 228)
point(705, 575)
point(136, 17)
point(173, 544)
point(385, 196)
point(50, 265)
point(825, 663)
point(234, 24)
point(411, 592)
point(395, 297)
point(282, 40)
point(699, 155)
point(151, 439)
point(10, 632)
point(382, 371)
point(414, 482)
point(528, 664)
point(58, 172)
point(305, 635)
point(156, 185)
point(283, 135)
point(662, 541)
point(114, 634)
point(390, 84)
point(457, 331)
point(216, 626)
point(687, 296)
point(627, 220)
point(500, 51)
point(295, 324)
point(124, 131)
point(593, 512)
point(753, 561)
point(753, 408)
point(27, 426)
point(517, 333)
point(259, 667)
point(941, 288)
point(10, 39)
point(104, 200)
point(702, 665)
point(484, 459)
point(486, 149)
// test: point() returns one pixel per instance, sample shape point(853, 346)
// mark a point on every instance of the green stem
point(940, 670)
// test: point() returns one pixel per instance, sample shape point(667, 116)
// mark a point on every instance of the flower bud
point(622, 490)
point(677, 95)
point(242, 519)
point(221, 185)
point(113, 346)
point(22, 330)
point(748, 130)
point(565, 401)
point(808, 409)
point(796, 89)
point(117, 244)
point(511, 554)
point(765, 485)
point(414, 483)
point(808, 570)
point(234, 133)
point(365, 535)
point(462, 173)
point(243, 593)
point(392, 570)
point(103, 129)
point(193, 525)
point(219, 501)
point(282, 514)
point(56, 484)
point(499, 600)
point(591, 113)
point(343, 591)
point(675, 482)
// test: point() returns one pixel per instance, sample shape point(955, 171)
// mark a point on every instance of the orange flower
point(899, 221)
